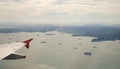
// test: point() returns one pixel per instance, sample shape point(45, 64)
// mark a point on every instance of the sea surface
point(58, 50)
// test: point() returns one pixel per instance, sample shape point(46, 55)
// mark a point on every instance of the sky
point(64, 12)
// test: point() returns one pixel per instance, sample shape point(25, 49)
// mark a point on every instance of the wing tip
point(27, 42)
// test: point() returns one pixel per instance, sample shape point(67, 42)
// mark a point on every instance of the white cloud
point(29, 6)
point(90, 6)
point(22, 10)
point(39, 7)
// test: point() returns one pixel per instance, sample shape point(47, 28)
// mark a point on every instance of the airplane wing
point(7, 51)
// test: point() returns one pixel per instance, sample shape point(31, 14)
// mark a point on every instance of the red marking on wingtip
point(27, 42)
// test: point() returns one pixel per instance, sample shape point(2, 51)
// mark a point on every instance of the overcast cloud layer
point(60, 11)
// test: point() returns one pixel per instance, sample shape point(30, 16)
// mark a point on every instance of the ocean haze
point(51, 55)
point(101, 32)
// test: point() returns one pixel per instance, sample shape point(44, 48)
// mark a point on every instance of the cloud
point(90, 6)
point(78, 7)
point(50, 10)
point(27, 7)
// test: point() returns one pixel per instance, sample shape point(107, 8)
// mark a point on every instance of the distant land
point(101, 32)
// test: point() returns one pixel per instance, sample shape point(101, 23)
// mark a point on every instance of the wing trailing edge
point(14, 56)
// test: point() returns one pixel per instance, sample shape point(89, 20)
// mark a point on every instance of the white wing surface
point(7, 51)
